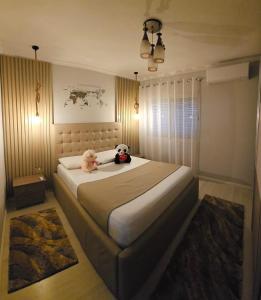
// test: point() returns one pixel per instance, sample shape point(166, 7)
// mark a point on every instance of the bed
point(138, 232)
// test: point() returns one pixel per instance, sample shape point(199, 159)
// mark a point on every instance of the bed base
point(124, 271)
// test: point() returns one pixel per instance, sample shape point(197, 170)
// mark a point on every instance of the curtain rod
point(187, 80)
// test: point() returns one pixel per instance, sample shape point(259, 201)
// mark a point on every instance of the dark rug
point(207, 264)
point(39, 247)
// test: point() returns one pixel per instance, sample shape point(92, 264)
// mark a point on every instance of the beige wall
point(2, 173)
point(227, 138)
point(27, 145)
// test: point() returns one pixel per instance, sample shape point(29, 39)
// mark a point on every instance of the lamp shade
point(145, 46)
point(152, 65)
point(159, 53)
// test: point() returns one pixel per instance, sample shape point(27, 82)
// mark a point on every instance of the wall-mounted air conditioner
point(228, 73)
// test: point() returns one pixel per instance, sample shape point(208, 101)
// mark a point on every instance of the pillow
point(75, 162)
point(71, 162)
point(105, 157)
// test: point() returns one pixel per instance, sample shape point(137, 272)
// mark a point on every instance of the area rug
point(207, 264)
point(39, 247)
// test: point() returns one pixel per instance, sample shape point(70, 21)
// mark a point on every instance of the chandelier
point(148, 50)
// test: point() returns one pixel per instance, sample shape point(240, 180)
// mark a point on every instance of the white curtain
point(169, 120)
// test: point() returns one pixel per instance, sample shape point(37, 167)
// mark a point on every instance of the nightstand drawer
point(29, 194)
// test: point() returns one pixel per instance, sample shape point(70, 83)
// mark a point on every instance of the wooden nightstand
point(29, 190)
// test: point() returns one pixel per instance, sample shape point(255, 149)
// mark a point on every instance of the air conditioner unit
point(228, 73)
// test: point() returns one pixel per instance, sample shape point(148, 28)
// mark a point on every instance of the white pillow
point(75, 162)
point(105, 157)
point(71, 162)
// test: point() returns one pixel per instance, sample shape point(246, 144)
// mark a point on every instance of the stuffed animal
point(89, 161)
point(122, 155)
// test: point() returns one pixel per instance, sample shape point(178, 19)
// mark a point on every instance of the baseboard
point(224, 181)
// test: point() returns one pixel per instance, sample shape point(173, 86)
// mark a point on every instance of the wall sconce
point(136, 103)
point(36, 118)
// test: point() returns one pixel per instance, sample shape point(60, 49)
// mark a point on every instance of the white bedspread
point(130, 220)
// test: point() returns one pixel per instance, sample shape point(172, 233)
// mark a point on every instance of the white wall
point(227, 138)
point(2, 174)
point(68, 78)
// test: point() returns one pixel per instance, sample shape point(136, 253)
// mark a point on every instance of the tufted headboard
point(74, 139)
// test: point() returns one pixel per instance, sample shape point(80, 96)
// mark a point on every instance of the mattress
point(129, 221)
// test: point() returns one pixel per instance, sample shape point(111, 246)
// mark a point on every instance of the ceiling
point(105, 35)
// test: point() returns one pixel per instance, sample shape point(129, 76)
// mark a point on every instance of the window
point(180, 115)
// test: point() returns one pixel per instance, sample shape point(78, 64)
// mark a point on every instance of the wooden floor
point(81, 281)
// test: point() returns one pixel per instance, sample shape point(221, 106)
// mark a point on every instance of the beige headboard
point(74, 139)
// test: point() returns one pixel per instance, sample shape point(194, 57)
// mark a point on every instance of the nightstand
point(29, 190)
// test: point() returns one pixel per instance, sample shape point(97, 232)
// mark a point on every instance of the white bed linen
point(130, 220)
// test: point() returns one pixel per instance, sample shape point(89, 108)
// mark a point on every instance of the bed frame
point(124, 270)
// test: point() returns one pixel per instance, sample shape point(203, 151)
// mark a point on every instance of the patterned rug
point(207, 264)
point(39, 247)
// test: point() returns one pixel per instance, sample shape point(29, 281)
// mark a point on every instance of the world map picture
point(84, 96)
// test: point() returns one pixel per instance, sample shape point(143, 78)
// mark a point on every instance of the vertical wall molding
point(256, 213)
point(27, 145)
point(2, 183)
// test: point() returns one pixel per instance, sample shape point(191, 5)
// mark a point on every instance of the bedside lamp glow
point(36, 119)
point(137, 116)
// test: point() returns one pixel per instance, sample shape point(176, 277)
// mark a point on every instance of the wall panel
point(27, 144)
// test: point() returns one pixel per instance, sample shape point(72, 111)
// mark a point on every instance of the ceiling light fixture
point(159, 53)
point(145, 45)
point(152, 65)
point(38, 85)
point(154, 54)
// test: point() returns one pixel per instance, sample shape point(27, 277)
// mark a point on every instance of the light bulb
point(36, 120)
point(136, 116)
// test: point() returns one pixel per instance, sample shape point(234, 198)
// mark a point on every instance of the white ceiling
point(105, 35)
